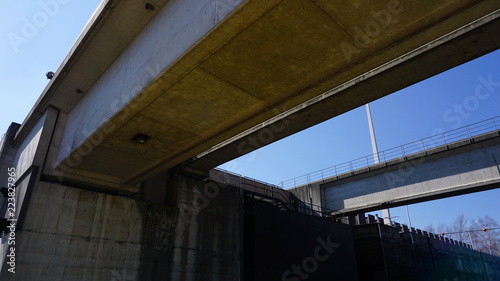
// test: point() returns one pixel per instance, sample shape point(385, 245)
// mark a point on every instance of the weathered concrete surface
point(7, 152)
point(383, 253)
point(74, 234)
point(249, 61)
point(310, 194)
point(172, 32)
point(459, 168)
point(338, 93)
point(21, 160)
point(7, 155)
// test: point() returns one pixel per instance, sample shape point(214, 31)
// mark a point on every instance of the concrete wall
point(383, 253)
point(24, 157)
point(74, 234)
point(7, 152)
point(310, 196)
point(7, 155)
point(28, 147)
point(30, 154)
point(176, 28)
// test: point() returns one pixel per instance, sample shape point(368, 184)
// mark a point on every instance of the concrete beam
point(104, 38)
point(214, 79)
point(419, 64)
point(459, 168)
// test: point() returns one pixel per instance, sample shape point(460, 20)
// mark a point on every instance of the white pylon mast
point(376, 159)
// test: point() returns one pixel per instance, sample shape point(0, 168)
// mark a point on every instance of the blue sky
point(36, 38)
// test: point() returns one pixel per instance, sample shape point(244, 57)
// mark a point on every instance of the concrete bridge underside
point(201, 77)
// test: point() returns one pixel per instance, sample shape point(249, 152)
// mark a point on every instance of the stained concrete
point(74, 234)
point(384, 253)
point(7, 152)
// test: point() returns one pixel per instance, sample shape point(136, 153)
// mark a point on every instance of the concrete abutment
point(76, 234)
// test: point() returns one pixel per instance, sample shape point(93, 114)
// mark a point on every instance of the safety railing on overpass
point(262, 190)
point(422, 145)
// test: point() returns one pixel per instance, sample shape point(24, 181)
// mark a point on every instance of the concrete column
point(7, 154)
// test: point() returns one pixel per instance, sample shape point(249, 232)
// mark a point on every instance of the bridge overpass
point(456, 162)
point(113, 159)
point(209, 81)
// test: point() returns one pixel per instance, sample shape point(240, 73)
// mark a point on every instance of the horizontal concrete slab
point(460, 168)
point(199, 77)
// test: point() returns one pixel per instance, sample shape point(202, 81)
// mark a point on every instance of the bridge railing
point(422, 145)
point(269, 190)
point(250, 184)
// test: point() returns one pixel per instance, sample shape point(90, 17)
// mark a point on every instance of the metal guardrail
point(250, 184)
point(422, 145)
point(268, 190)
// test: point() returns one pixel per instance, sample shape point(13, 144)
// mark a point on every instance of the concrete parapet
point(402, 229)
point(386, 254)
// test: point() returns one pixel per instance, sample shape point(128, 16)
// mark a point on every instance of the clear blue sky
point(36, 38)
